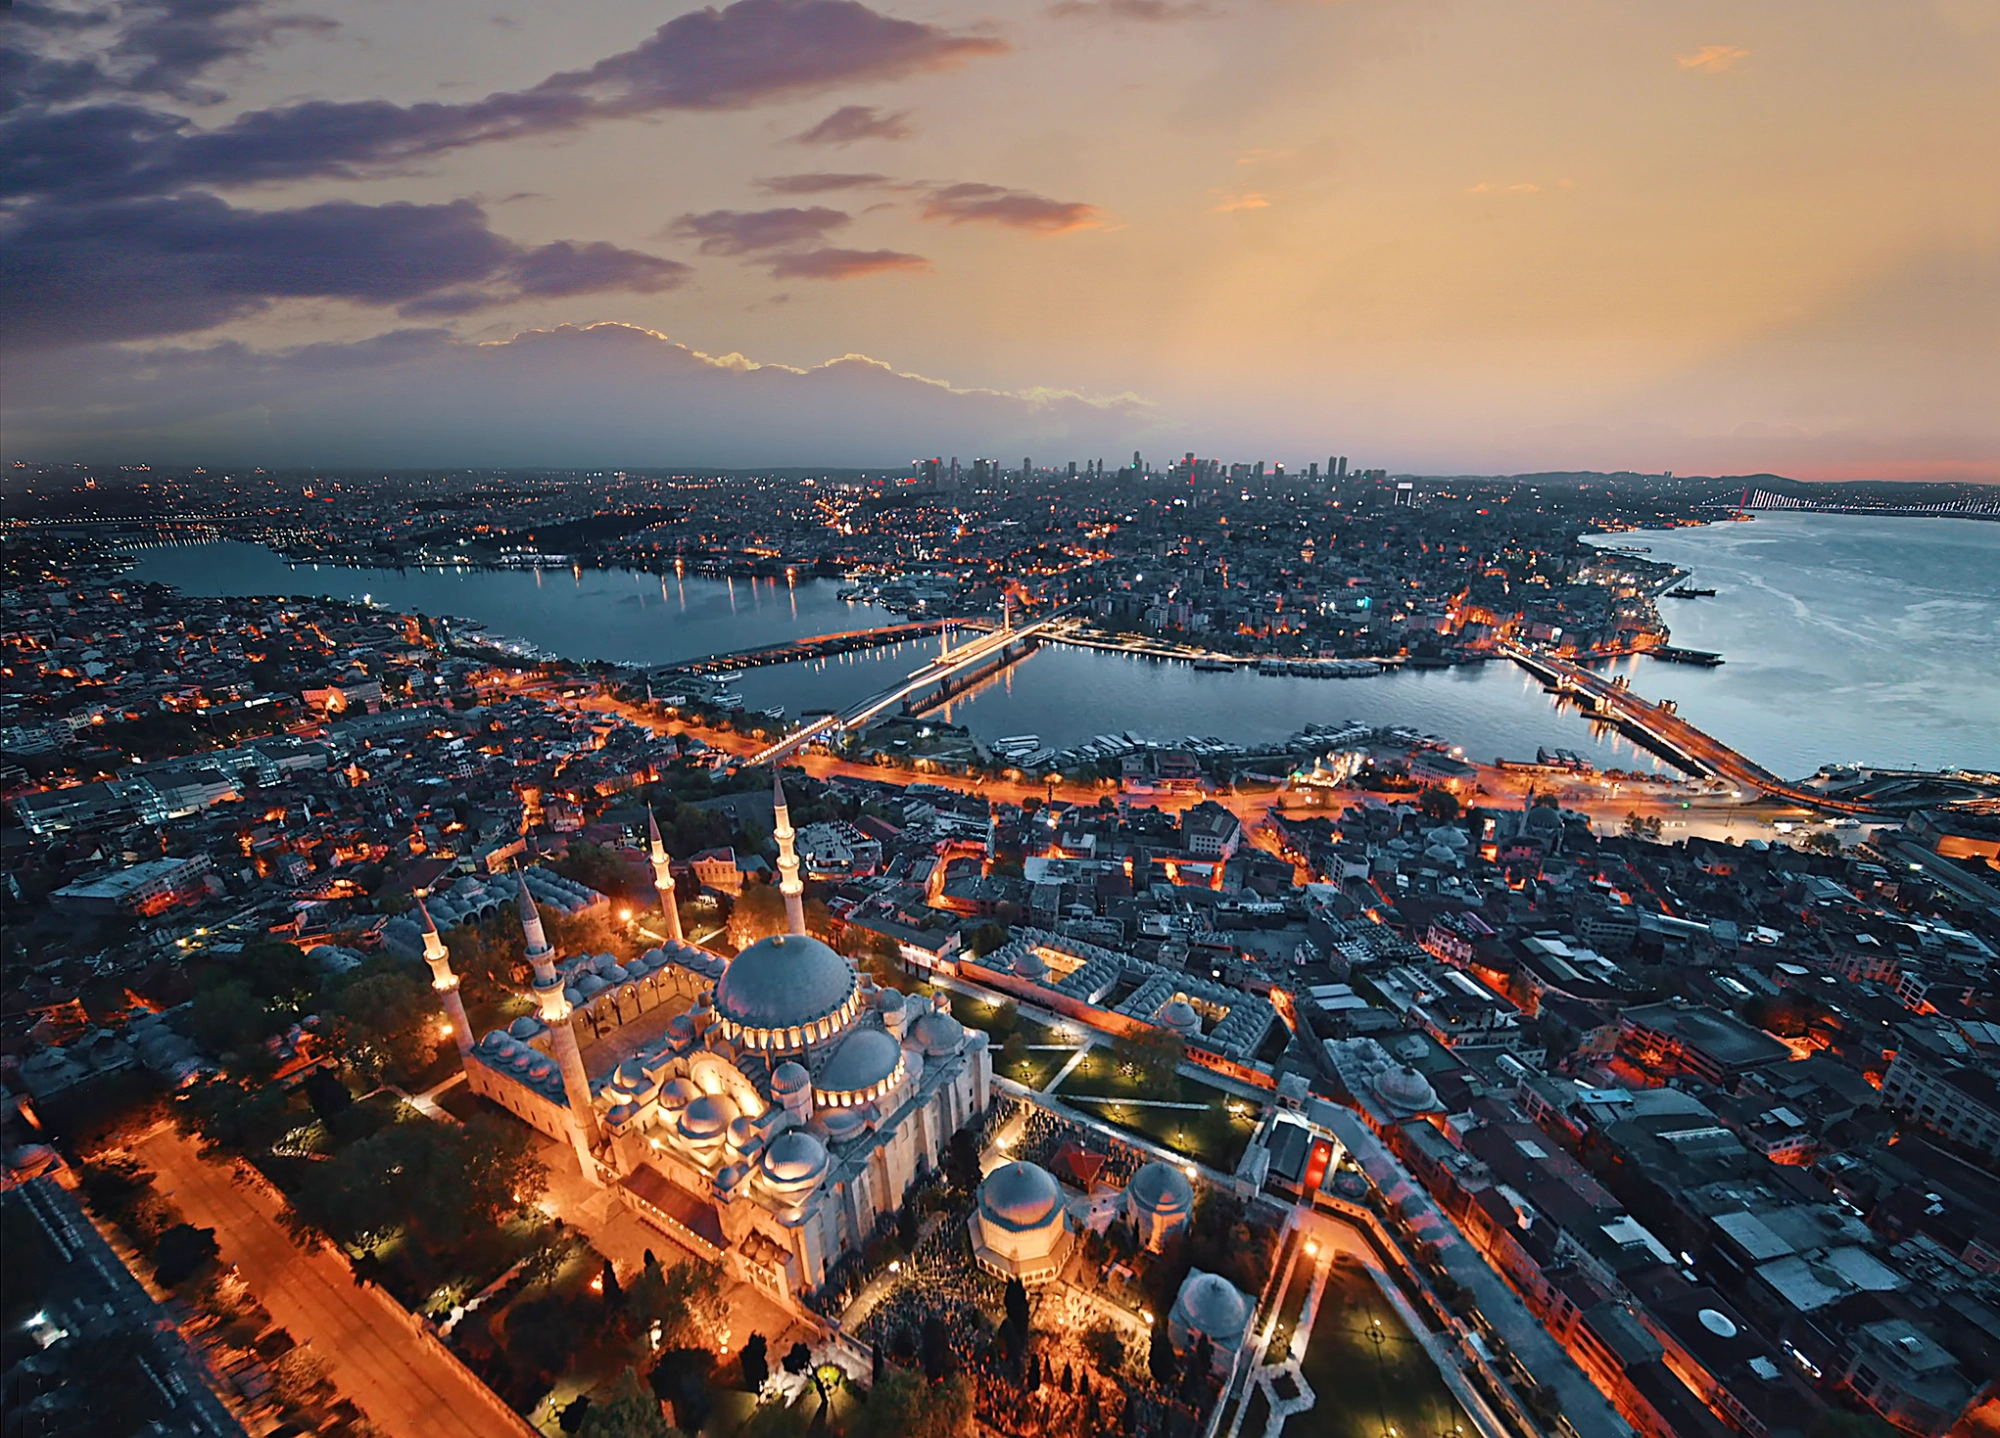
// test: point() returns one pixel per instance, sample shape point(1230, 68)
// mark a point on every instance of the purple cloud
point(819, 183)
point(144, 47)
point(743, 54)
point(856, 122)
point(1018, 209)
point(740, 232)
point(834, 264)
point(133, 269)
point(1150, 12)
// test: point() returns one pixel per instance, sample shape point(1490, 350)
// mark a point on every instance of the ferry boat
point(1676, 655)
point(1688, 591)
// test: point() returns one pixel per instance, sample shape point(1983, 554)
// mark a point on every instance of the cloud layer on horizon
point(596, 394)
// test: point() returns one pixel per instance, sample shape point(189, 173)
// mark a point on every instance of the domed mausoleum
point(1209, 1306)
point(1159, 1203)
point(1020, 1228)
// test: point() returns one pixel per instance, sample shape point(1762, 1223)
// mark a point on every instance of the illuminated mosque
point(766, 1110)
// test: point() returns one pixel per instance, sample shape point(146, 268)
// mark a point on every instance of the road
point(1605, 801)
point(406, 1389)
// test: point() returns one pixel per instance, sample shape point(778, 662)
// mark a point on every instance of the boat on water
point(1673, 654)
point(1688, 591)
point(1214, 666)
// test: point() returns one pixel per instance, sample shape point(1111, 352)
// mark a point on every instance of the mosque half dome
point(794, 1161)
point(866, 1065)
point(786, 992)
point(938, 1032)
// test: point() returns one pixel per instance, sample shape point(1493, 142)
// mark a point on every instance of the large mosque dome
point(789, 991)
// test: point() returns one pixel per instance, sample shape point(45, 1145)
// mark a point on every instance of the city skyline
point(821, 232)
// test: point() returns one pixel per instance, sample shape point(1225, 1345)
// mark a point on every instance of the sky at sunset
point(1436, 237)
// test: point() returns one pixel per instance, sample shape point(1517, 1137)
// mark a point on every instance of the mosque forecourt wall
point(1106, 1020)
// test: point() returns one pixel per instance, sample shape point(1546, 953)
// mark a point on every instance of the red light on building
point(1316, 1164)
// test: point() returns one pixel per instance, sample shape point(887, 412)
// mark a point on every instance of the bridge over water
point(1660, 729)
point(945, 675)
point(818, 646)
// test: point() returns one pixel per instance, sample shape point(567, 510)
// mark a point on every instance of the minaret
point(445, 982)
point(663, 880)
point(548, 986)
point(788, 859)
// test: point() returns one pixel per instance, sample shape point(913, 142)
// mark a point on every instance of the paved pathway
point(404, 1387)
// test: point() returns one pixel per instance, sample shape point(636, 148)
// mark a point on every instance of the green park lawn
point(1371, 1377)
point(999, 1020)
point(1209, 1134)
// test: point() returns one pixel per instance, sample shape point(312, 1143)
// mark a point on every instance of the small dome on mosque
point(1030, 966)
point(706, 1119)
point(676, 1094)
point(789, 1077)
point(938, 1032)
point(1180, 1016)
point(786, 981)
point(889, 1001)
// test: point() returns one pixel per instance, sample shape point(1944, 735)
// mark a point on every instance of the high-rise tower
point(445, 982)
point(788, 859)
point(548, 986)
point(663, 879)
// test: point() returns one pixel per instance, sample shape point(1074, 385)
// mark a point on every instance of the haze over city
point(1695, 237)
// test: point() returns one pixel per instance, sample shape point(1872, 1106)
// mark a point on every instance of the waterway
point(1846, 639)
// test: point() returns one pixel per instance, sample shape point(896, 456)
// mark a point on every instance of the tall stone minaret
point(548, 986)
point(663, 880)
point(788, 859)
point(445, 982)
